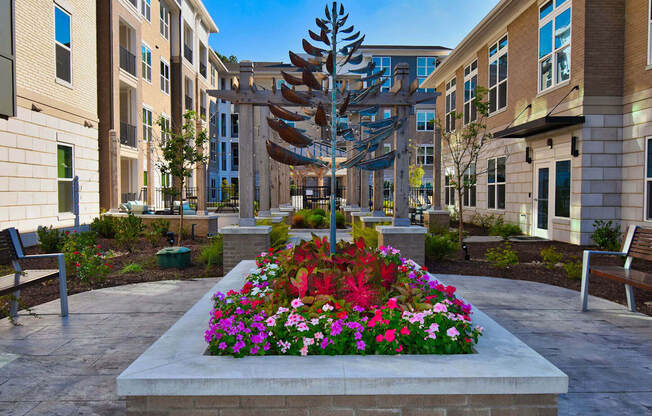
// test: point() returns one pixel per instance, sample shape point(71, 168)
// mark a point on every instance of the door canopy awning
point(538, 126)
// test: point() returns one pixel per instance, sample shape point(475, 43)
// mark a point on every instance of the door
point(542, 223)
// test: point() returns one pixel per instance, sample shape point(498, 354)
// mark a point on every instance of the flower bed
point(302, 301)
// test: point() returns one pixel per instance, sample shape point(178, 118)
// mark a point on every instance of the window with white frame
point(62, 44)
point(425, 66)
point(64, 176)
point(165, 128)
point(554, 43)
point(470, 85)
point(449, 187)
point(425, 121)
point(384, 62)
point(498, 75)
point(496, 179)
point(469, 194)
point(146, 57)
point(164, 23)
point(387, 147)
point(425, 154)
point(147, 124)
point(165, 77)
point(451, 104)
point(146, 9)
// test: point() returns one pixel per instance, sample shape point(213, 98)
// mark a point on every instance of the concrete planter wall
point(505, 376)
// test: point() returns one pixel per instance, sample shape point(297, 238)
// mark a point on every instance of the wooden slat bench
point(12, 252)
point(637, 244)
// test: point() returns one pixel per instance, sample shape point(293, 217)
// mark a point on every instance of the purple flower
point(254, 350)
point(357, 335)
point(222, 345)
point(361, 345)
point(266, 347)
point(219, 296)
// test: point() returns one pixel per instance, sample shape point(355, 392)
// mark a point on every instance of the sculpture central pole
point(333, 86)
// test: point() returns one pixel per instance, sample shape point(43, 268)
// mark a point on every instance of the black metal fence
point(313, 197)
point(127, 61)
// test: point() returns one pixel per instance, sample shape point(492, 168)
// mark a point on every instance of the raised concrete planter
point(505, 375)
point(356, 217)
point(436, 220)
point(244, 243)
point(373, 221)
point(348, 211)
point(410, 240)
point(205, 224)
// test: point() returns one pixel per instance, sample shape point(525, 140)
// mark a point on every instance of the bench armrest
point(608, 253)
point(42, 256)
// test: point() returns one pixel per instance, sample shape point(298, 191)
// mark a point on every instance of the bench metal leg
point(13, 305)
point(584, 291)
point(629, 293)
point(63, 288)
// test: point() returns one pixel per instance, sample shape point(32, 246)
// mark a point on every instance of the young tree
point(181, 152)
point(464, 145)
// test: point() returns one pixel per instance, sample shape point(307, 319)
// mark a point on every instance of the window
point(213, 74)
point(425, 121)
point(234, 156)
point(7, 60)
point(64, 177)
point(469, 186)
point(146, 53)
point(223, 124)
point(164, 24)
point(62, 45)
point(387, 147)
point(496, 183)
point(562, 188)
point(449, 188)
point(649, 33)
point(425, 154)
point(166, 180)
point(498, 75)
point(387, 114)
point(451, 104)
point(146, 9)
point(425, 66)
point(223, 155)
point(384, 62)
point(165, 77)
point(234, 125)
point(147, 124)
point(213, 150)
point(470, 85)
point(554, 43)
point(165, 128)
point(223, 87)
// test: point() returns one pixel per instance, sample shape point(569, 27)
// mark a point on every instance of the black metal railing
point(420, 200)
point(127, 196)
point(187, 52)
point(202, 69)
point(224, 198)
point(128, 135)
point(188, 103)
point(163, 198)
point(313, 197)
point(127, 61)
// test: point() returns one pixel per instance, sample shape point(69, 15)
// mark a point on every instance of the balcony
point(134, 3)
point(189, 103)
point(187, 52)
point(202, 69)
point(127, 61)
point(127, 134)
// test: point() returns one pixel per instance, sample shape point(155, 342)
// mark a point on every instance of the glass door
point(542, 201)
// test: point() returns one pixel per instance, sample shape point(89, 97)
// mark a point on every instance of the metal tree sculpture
point(319, 72)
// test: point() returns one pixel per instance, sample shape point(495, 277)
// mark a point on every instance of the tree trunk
point(460, 217)
point(180, 235)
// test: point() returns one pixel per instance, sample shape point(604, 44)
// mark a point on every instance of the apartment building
point(422, 61)
point(569, 84)
point(155, 66)
point(48, 114)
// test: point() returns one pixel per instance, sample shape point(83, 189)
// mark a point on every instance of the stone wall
point(244, 243)
point(377, 405)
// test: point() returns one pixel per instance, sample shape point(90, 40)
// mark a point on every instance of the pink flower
point(379, 338)
point(391, 304)
point(271, 321)
point(296, 303)
point(326, 307)
point(399, 349)
point(439, 307)
point(304, 350)
point(319, 335)
point(390, 335)
point(405, 331)
point(452, 332)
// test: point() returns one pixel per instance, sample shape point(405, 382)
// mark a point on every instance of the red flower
point(379, 338)
point(77, 264)
point(399, 349)
point(425, 269)
point(341, 315)
point(110, 266)
point(391, 303)
point(390, 335)
point(76, 252)
point(450, 290)
point(405, 331)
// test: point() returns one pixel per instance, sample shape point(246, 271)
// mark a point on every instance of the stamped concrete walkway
point(55, 366)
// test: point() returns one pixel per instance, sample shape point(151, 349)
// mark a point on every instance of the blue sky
point(264, 30)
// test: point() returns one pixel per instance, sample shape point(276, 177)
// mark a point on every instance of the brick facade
point(239, 245)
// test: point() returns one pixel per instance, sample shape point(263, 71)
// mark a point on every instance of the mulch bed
point(144, 254)
point(530, 268)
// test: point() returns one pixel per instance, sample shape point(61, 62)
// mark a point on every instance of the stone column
point(402, 161)
point(262, 161)
point(349, 176)
point(274, 184)
point(436, 218)
point(200, 175)
point(114, 170)
point(246, 180)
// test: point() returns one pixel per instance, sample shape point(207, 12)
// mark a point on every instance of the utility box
point(169, 257)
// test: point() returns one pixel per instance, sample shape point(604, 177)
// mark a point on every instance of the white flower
point(296, 303)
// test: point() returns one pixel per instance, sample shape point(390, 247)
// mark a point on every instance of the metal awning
point(538, 126)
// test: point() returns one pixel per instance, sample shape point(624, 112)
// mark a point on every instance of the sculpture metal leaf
point(324, 38)
point(291, 79)
point(322, 25)
point(311, 50)
point(342, 21)
point(300, 62)
point(320, 116)
point(293, 96)
point(329, 63)
point(287, 157)
point(345, 104)
point(366, 69)
point(353, 160)
point(284, 114)
point(310, 80)
point(341, 8)
point(327, 12)
point(352, 36)
point(288, 133)
point(348, 29)
point(314, 36)
point(374, 76)
point(356, 60)
point(379, 163)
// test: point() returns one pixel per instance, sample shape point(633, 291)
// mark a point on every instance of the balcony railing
point(187, 52)
point(134, 3)
point(127, 134)
point(127, 61)
point(202, 69)
point(189, 103)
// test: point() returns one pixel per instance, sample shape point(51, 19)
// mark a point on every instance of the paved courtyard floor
point(55, 366)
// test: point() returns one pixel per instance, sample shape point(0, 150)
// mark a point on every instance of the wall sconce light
point(36, 108)
point(550, 143)
point(574, 150)
point(528, 156)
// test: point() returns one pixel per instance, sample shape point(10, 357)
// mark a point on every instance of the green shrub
point(440, 246)
point(104, 226)
point(606, 235)
point(160, 226)
point(298, 221)
point(502, 256)
point(212, 254)
point(132, 268)
point(505, 230)
point(319, 211)
point(85, 257)
point(50, 239)
point(486, 221)
point(340, 220)
point(280, 235)
point(153, 237)
point(128, 229)
point(316, 220)
point(369, 235)
point(551, 257)
point(573, 269)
